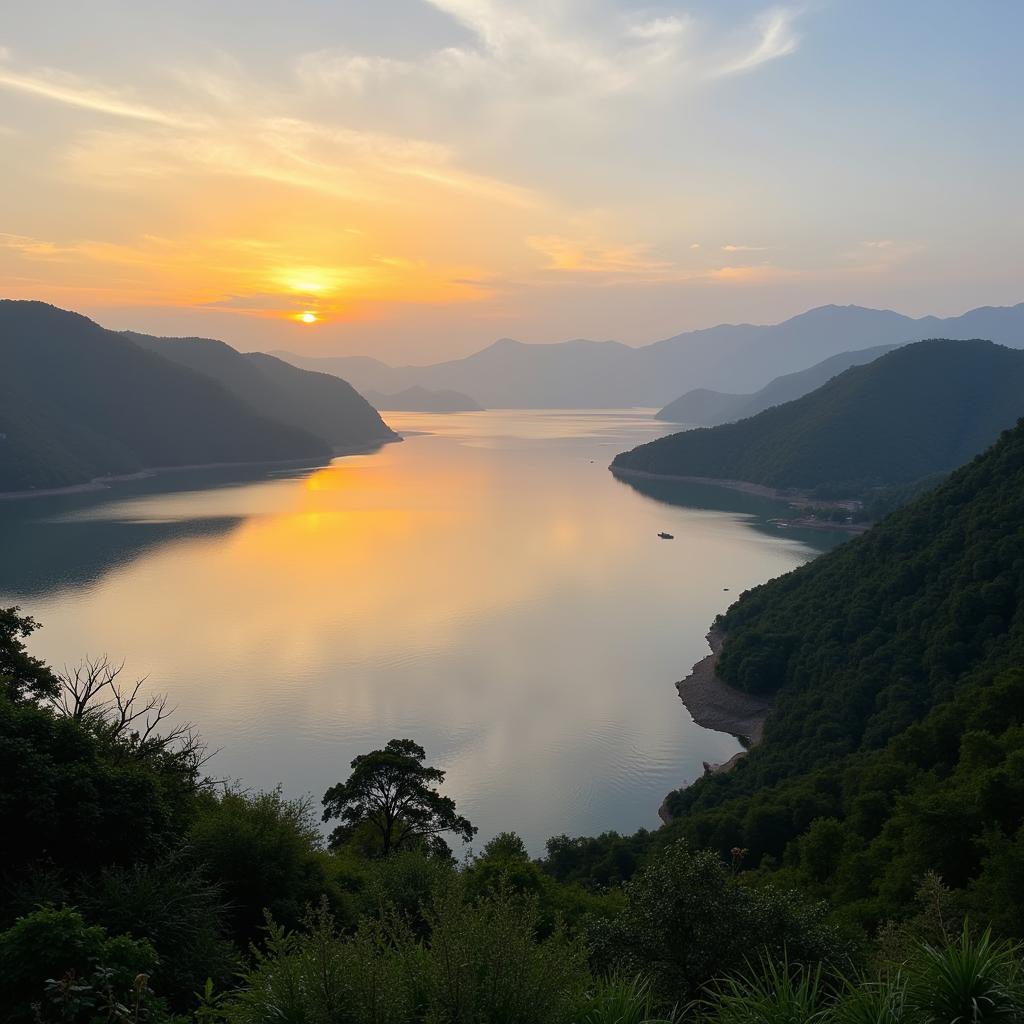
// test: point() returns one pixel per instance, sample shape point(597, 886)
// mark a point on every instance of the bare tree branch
point(93, 693)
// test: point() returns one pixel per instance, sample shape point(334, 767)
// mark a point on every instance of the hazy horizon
point(426, 176)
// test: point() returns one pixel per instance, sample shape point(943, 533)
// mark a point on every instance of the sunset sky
point(421, 177)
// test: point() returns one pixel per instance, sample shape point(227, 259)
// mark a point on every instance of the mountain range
point(920, 410)
point(736, 358)
point(79, 402)
point(705, 408)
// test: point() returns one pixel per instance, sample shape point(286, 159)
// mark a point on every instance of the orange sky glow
point(542, 170)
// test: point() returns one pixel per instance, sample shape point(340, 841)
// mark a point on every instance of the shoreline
point(102, 483)
point(796, 498)
point(714, 704)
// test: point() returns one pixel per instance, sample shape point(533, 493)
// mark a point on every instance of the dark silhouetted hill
point(78, 401)
point(321, 403)
point(922, 409)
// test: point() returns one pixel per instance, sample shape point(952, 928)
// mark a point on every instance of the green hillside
point(701, 407)
point(77, 402)
point(917, 411)
point(897, 741)
point(320, 403)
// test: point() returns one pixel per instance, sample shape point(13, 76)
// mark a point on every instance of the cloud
point(882, 254)
point(556, 51)
point(590, 256)
point(73, 91)
point(744, 248)
point(311, 156)
point(659, 28)
point(33, 248)
point(776, 38)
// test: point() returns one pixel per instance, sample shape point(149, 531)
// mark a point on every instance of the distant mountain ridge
point(920, 410)
point(79, 402)
point(417, 399)
point(735, 358)
point(705, 408)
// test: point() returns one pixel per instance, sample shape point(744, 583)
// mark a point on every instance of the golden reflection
point(511, 606)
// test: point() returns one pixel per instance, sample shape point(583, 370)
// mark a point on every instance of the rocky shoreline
point(714, 704)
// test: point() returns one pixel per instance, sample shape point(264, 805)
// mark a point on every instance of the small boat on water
point(666, 536)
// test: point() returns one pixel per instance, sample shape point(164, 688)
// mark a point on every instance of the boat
point(666, 536)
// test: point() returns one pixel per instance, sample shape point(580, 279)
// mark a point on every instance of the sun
point(308, 317)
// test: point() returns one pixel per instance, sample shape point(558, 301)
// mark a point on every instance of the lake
point(486, 587)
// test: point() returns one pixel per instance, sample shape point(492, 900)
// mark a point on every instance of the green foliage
point(596, 861)
point(91, 802)
point(970, 981)
point(405, 885)
point(620, 1000)
point(265, 851)
point(392, 793)
point(921, 410)
point(688, 918)
point(896, 744)
point(483, 963)
point(171, 904)
point(53, 956)
point(21, 675)
point(778, 993)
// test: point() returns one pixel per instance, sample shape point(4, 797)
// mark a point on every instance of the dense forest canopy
point(897, 741)
point(920, 410)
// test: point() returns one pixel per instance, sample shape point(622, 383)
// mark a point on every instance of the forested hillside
point(896, 746)
point(920, 410)
point(320, 403)
point(77, 402)
point(705, 408)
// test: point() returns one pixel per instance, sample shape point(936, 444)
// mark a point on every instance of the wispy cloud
point(776, 37)
point(60, 87)
point(592, 256)
point(560, 52)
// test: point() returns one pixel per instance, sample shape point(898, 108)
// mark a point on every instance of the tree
point(391, 792)
point(21, 675)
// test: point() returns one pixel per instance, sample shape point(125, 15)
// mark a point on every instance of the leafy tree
point(688, 919)
point(265, 852)
point(392, 792)
point(21, 675)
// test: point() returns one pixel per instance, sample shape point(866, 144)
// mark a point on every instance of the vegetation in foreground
point(135, 889)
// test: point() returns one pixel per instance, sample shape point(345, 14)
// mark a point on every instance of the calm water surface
point(486, 588)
